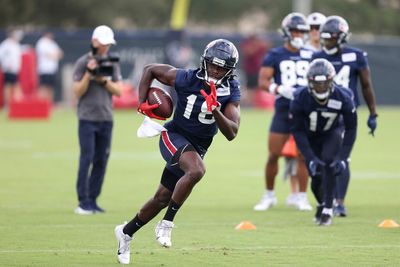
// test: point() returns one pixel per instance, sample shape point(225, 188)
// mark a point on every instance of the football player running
point(316, 113)
point(350, 64)
point(284, 69)
point(207, 100)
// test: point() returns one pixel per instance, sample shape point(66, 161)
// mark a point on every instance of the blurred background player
point(208, 100)
point(316, 112)
point(350, 64)
point(290, 154)
point(48, 55)
point(94, 91)
point(315, 20)
point(284, 69)
point(10, 60)
point(253, 49)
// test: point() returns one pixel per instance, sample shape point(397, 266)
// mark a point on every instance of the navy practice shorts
point(48, 79)
point(172, 145)
point(10, 78)
point(280, 122)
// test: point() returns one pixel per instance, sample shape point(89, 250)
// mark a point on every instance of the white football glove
point(285, 91)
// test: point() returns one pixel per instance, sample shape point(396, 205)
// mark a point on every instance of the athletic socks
point(173, 208)
point(134, 225)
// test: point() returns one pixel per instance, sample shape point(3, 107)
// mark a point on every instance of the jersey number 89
point(293, 72)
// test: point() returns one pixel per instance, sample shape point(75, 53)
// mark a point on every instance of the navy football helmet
point(320, 79)
point(337, 29)
point(294, 22)
point(221, 53)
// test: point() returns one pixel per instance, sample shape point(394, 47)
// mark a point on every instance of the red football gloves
point(211, 99)
point(147, 110)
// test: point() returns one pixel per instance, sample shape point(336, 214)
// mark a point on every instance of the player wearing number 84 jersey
point(207, 100)
point(351, 65)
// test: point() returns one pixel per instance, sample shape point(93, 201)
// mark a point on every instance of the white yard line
point(16, 144)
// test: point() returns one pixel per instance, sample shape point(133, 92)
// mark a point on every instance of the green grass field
point(38, 166)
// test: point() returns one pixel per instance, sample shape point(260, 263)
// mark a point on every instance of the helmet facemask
point(321, 88)
point(297, 41)
point(215, 63)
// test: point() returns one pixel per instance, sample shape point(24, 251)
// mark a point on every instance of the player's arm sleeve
point(79, 70)
point(182, 79)
point(362, 60)
point(235, 94)
point(350, 124)
point(269, 60)
point(299, 132)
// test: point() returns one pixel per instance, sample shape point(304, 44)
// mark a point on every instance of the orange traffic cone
point(245, 225)
point(388, 223)
point(289, 150)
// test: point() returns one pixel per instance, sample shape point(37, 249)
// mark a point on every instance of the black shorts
point(10, 78)
point(47, 79)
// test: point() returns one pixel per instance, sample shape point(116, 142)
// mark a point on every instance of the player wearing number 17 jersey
point(316, 113)
point(208, 100)
point(351, 65)
point(283, 71)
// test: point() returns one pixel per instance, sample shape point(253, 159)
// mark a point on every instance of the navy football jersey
point(290, 68)
point(314, 120)
point(347, 64)
point(191, 115)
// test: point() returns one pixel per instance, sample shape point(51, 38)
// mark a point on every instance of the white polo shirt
point(47, 52)
point(10, 56)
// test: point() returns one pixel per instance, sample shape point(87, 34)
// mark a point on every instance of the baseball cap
point(104, 35)
point(316, 18)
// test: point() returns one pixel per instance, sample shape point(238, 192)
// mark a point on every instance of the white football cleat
point(163, 233)
point(292, 200)
point(302, 202)
point(81, 211)
point(266, 202)
point(124, 242)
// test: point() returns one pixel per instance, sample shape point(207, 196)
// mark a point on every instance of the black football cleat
point(318, 213)
point(325, 220)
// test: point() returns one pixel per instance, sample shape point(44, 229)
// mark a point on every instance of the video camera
point(105, 64)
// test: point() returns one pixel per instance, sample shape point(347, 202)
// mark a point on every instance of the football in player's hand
point(156, 95)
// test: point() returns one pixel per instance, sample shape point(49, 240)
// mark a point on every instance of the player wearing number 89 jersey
point(207, 99)
point(284, 69)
